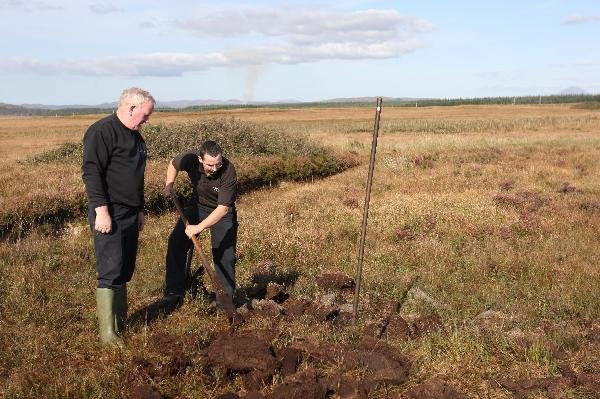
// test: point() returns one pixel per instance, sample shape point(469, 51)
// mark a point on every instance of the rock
point(490, 319)
point(327, 300)
point(416, 294)
point(347, 308)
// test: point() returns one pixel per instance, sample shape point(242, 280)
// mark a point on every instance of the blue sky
point(87, 52)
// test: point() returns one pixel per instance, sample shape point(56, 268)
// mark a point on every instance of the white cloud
point(175, 64)
point(29, 5)
point(279, 36)
point(102, 8)
point(305, 25)
point(580, 19)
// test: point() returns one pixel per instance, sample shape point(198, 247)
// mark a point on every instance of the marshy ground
point(481, 275)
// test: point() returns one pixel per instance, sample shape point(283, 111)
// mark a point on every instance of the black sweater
point(114, 160)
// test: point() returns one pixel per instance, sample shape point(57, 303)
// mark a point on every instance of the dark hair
point(211, 148)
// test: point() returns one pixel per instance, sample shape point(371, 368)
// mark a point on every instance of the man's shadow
point(195, 289)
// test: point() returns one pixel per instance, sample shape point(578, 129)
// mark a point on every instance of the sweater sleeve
point(96, 153)
point(228, 189)
point(186, 161)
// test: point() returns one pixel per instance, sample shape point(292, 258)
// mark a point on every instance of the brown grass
point(459, 223)
point(263, 156)
point(20, 136)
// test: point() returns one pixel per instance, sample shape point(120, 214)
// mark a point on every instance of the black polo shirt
point(218, 189)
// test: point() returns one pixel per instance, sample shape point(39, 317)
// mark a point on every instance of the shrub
point(263, 156)
point(236, 137)
point(68, 152)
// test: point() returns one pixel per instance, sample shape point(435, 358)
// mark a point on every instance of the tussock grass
point(492, 126)
point(459, 224)
point(590, 105)
point(459, 126)
point(236, 137)
point(264, 156)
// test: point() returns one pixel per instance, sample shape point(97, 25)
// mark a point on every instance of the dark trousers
point(116, 251)
point(223, 235)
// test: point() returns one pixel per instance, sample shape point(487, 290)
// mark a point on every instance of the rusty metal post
point(361, 247)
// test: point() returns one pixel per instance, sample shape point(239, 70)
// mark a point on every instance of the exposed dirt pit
point(434, 388)
point(272, 364)
point(335, 281)
point(143, 391)
point(555, 387)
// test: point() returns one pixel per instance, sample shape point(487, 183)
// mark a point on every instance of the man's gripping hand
point(168, 191)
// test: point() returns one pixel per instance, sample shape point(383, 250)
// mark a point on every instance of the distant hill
point(10, 109)
point(200, 103)
point(69, 109)
point(46, 110)
point(70, 106)
point(568, 95)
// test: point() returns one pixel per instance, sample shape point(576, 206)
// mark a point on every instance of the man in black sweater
point(215, 186)
point(114, 160)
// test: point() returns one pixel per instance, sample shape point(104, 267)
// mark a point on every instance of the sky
point(60, 52)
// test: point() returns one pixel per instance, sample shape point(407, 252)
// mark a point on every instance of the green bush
point(236, 137)
point(68, 152)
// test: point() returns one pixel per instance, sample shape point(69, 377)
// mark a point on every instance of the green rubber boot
point(105, 309)
point(120, 309)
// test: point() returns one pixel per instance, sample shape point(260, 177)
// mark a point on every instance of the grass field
point(485, 219)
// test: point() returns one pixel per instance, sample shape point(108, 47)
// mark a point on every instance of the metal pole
point(361, 247)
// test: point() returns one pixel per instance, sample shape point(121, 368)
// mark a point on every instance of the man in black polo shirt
point(215, 185)
point(114, 160)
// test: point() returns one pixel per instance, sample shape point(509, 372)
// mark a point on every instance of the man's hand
point(141, 221)
point(168, 191)
point(192, 229)
point(103, 223)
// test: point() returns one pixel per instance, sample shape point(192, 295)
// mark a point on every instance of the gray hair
point(135, 96)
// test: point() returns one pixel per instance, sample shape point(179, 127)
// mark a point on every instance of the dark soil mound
point(435, 389)
point(242, 353)
point(335, 281)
